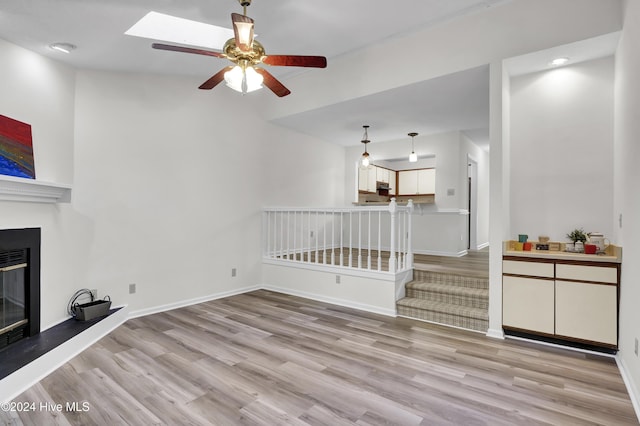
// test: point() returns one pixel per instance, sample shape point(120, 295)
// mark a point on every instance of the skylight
point(158, 26)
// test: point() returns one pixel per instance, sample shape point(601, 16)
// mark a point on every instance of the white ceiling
point(322, 27)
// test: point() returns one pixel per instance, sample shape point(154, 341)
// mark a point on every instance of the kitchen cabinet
point(382, 174)
point(528, 295)
point(408, 182)
point(586, 302)
point(363, 179)
point(569, 300)
point(420, 181)
point(367, 179)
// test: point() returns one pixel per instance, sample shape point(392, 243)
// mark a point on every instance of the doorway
point(472, 203)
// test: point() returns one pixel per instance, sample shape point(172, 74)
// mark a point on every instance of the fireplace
point(19, 284)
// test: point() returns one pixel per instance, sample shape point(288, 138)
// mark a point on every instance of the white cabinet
point(408, 182)
point(587, 311)
point(528, 304)
point(421, 181)
point(569, 300)
point(363, 179)
point(367, 179)
point(427, 181)
point(382, 174)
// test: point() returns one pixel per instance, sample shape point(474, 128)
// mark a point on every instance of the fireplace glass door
point(13, 313)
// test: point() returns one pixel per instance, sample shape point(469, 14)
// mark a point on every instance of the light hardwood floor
point(264, 358)
point(474, 263)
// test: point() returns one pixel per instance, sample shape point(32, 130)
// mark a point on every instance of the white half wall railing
point(371, 238)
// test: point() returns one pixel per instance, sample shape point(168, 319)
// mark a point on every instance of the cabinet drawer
point(528, 304)
point(587, 311)
point(535, 269)
point(604, 274)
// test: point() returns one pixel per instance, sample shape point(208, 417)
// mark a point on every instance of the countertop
point(612, 254)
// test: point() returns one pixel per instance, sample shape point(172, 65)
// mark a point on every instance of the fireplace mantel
point(28, 190)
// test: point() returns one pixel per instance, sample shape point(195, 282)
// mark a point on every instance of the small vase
point(570, 247)
point(579, 247)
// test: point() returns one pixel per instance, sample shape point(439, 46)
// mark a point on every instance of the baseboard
point(441, 253)
point(495, 333)
point(483, 245)
point(333, 301)
point(189, 302)
point(22, 379)
point(634, 392)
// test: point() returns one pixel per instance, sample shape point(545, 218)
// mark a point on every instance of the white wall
point(562, 150)
point(627, 198)
point(497, 33)
point(41, 92)
point(168, 182)
point(173, 181)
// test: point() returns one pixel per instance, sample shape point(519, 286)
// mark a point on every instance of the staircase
point(450, 298)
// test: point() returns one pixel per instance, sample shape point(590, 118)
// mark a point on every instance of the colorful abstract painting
point(16, 149)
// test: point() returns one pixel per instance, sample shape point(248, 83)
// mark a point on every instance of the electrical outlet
point(94, 294)
point(636, 349)
point(233, 272)
point(132, 288)
point(337, 279)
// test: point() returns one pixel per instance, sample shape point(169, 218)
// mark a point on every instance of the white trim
point(424, 211)
point(495, 334)
point(22, 379)
point(441, 253)
point(335, 269)
point(332, 300)
point(483, 245)
point(634, 392)
point(190, 302)
point(30, 190)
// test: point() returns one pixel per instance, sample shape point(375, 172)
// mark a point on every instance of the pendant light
point(365, 161)
point(413, 157)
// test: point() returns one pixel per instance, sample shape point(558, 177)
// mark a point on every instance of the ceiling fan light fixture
point(243, 80)
point(245, 33)
point(413, 157)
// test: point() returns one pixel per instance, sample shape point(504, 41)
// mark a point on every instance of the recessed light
point(63, 47)
point(559, 61)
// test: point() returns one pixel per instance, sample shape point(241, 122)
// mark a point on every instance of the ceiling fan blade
point(273, 84)
point(296, 61)
point(215, 79)
point(243, 31)
point(187, 50)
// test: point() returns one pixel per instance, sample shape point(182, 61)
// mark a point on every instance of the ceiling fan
point(246, 53)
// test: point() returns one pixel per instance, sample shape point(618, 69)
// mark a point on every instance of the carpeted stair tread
point(449, 298)
point(447, 288)
point(444, 308)
point(453, 279)
point(464, 296)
